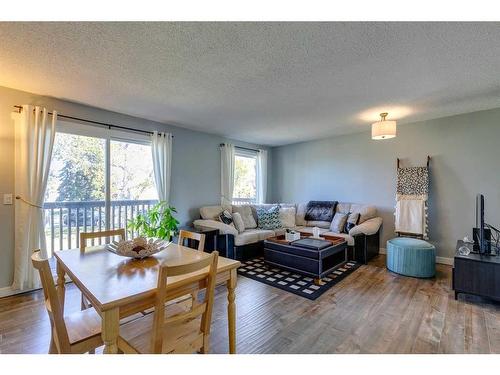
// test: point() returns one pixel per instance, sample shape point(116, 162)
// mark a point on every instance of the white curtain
point(226, 174)
point(262, 176)
point(35, 133)
point(161, 148)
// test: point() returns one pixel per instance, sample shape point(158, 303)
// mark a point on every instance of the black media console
point(477, 274)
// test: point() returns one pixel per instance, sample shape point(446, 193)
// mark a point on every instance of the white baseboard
point(440, 260)
point(8, 291)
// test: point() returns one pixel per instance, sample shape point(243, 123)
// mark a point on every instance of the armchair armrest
point(370, 226)
point(223, 228)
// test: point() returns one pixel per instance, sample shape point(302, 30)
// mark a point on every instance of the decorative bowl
point(140, 247)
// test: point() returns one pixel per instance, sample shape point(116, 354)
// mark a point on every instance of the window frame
point(97, 131)
point(253, 155)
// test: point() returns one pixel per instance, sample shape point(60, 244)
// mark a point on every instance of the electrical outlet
point(7, 199)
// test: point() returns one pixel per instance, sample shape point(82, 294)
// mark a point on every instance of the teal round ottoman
point(411, 257)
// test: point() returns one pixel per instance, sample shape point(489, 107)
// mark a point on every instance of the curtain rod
point(20, 108)
point(242, 148)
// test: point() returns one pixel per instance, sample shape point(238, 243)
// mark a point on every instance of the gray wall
point(195, 166)
point(465, 153)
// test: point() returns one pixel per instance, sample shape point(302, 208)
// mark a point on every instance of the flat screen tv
point(481, 235)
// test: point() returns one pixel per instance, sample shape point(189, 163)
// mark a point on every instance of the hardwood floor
point(371, 311)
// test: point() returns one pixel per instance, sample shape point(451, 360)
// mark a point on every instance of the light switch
point(7, 199)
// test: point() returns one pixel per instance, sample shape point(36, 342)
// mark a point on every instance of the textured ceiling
point(268, 83)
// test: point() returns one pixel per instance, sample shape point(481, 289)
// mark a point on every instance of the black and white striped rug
point(292, 282)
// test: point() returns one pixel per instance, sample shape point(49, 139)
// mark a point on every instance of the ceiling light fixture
point(383, 129)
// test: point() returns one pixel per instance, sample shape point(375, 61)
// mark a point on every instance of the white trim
point(97, 131)
point(8, 291)
point(249, 154)
point(440, 260)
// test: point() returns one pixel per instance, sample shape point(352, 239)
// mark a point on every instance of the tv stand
point(476, 274)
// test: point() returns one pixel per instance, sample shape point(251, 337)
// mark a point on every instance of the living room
point(310, 188)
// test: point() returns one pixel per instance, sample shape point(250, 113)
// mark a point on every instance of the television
point(481, 235)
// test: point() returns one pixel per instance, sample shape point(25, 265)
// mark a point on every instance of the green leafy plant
point(158, 222)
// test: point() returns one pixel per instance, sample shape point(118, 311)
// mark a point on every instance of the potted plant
point(158, 222)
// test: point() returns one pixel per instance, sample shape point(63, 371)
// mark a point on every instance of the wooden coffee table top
point(335, 240)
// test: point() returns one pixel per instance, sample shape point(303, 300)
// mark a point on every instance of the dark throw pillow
point(226, 217)
point(352, 221)
point(320, 210)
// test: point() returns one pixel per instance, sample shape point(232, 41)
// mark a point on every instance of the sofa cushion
point(252, 236)
point(300, 214)
point(287, 217)
point(343, 207)
point(238, 222)
point(213, 212)
point(348, 238)
point(320, 210)
point(319, 224)
point(246, 216)
point(365, 211)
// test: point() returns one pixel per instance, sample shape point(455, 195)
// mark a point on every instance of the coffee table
point(314, 263)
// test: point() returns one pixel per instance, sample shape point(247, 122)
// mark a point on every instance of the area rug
point(292, 282)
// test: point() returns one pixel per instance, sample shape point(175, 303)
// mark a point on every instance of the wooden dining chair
point(84, 237)
point(185, 234)
point(200, 237)
point(74, 334)
point(175, 328)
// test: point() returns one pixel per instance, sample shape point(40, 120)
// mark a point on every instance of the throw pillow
point(300, 215)
point(338, 222)
point(320, 210)
point(268, 219)
point(246, 216)
point(287, 217)
point(238, 222)
point(351, 222)
point(226, 217)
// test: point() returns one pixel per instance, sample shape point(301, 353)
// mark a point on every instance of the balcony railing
point(244, 201)
point(65, 220)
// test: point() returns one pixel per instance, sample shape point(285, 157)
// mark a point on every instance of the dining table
point(118, 287)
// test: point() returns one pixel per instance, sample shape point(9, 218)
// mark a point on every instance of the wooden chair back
point(185, 234)
point(52, 303)
point(84, 236)
point(202, 308)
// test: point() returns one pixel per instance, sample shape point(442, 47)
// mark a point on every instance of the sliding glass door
point(99, 179)
point(132, 189)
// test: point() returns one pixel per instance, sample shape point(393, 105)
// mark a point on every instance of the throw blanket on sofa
point(412, 194)
point(320, 210)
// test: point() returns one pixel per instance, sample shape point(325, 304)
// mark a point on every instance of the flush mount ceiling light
point(383, 129)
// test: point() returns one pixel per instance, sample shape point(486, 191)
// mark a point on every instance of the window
point(88, 190)
point(245, 177)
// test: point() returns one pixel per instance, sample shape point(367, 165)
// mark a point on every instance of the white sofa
point(362, 239)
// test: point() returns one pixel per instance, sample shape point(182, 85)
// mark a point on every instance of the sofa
point(362, 239)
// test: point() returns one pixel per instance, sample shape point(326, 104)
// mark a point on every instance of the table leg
point(318, 281)
point(61, 284)
point(110, 330)
point(231, 310)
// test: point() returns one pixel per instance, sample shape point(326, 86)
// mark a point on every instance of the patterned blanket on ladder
point(412, 194)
